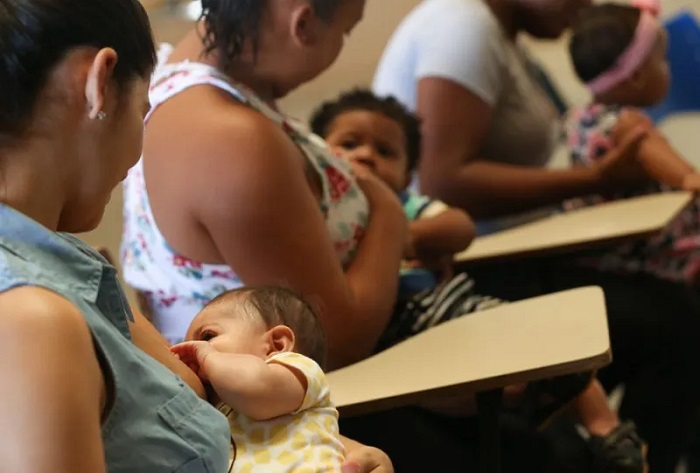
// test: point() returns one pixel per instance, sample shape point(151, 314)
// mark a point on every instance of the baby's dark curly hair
point(277, 305)
point(362, 99)
point(600, 34)
point(228, 24)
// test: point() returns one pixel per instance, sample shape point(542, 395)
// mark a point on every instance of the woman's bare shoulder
point(55, 391)
point(34, 320)
point(249, 157)
point(41, 309)
point(208, 126)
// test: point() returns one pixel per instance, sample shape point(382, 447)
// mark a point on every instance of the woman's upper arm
point(53, 389)
point(454, 125)
point(459, 77)
point(267, 224)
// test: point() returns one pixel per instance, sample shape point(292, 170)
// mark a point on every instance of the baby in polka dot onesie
point(261, 351)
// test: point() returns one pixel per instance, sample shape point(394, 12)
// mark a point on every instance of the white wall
point(356, 66)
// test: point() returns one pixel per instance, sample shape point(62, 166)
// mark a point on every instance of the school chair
point(549, 336)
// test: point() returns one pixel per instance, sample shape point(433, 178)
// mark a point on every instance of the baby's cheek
point(339, 152)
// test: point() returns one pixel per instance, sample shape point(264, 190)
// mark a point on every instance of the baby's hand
point(631, 122)
point(193, 355)
point(691, 182)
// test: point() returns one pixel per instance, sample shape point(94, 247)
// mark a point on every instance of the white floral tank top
point(177, 287)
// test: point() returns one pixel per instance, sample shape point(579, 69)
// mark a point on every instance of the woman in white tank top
point(229, 190)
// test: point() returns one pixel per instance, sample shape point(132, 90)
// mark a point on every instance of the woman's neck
point(29, 185)
point(241, 71)
point(504, 10)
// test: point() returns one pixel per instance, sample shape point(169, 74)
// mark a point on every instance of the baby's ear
point(280, 339)
point(638, 80)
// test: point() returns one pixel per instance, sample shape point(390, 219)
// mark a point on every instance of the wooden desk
point(538, 338)
point(586, 228)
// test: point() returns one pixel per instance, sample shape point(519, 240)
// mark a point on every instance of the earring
point(101, 115)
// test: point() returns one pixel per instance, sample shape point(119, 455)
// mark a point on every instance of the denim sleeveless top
point(156, 424)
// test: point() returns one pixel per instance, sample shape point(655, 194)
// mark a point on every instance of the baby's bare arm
point(448, 232)
point(656, 155)
point(247, 383)
point(664, 164)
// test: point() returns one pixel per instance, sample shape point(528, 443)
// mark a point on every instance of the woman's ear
point(304, 25)
point(280, 339)
point(98, 81)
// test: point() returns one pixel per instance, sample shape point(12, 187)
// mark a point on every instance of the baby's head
point(619, 52)
point(379, 133)
point(260, 321)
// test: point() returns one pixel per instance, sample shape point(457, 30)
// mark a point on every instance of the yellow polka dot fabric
point(305, 441)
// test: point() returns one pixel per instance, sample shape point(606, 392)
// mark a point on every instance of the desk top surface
point(537, 338)
point(585, 228)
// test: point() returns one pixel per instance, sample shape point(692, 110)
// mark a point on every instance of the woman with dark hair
point(80, 397)
point(80, 392)
point(230, 191)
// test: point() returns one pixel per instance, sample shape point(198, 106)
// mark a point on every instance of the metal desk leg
point(489, 408)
